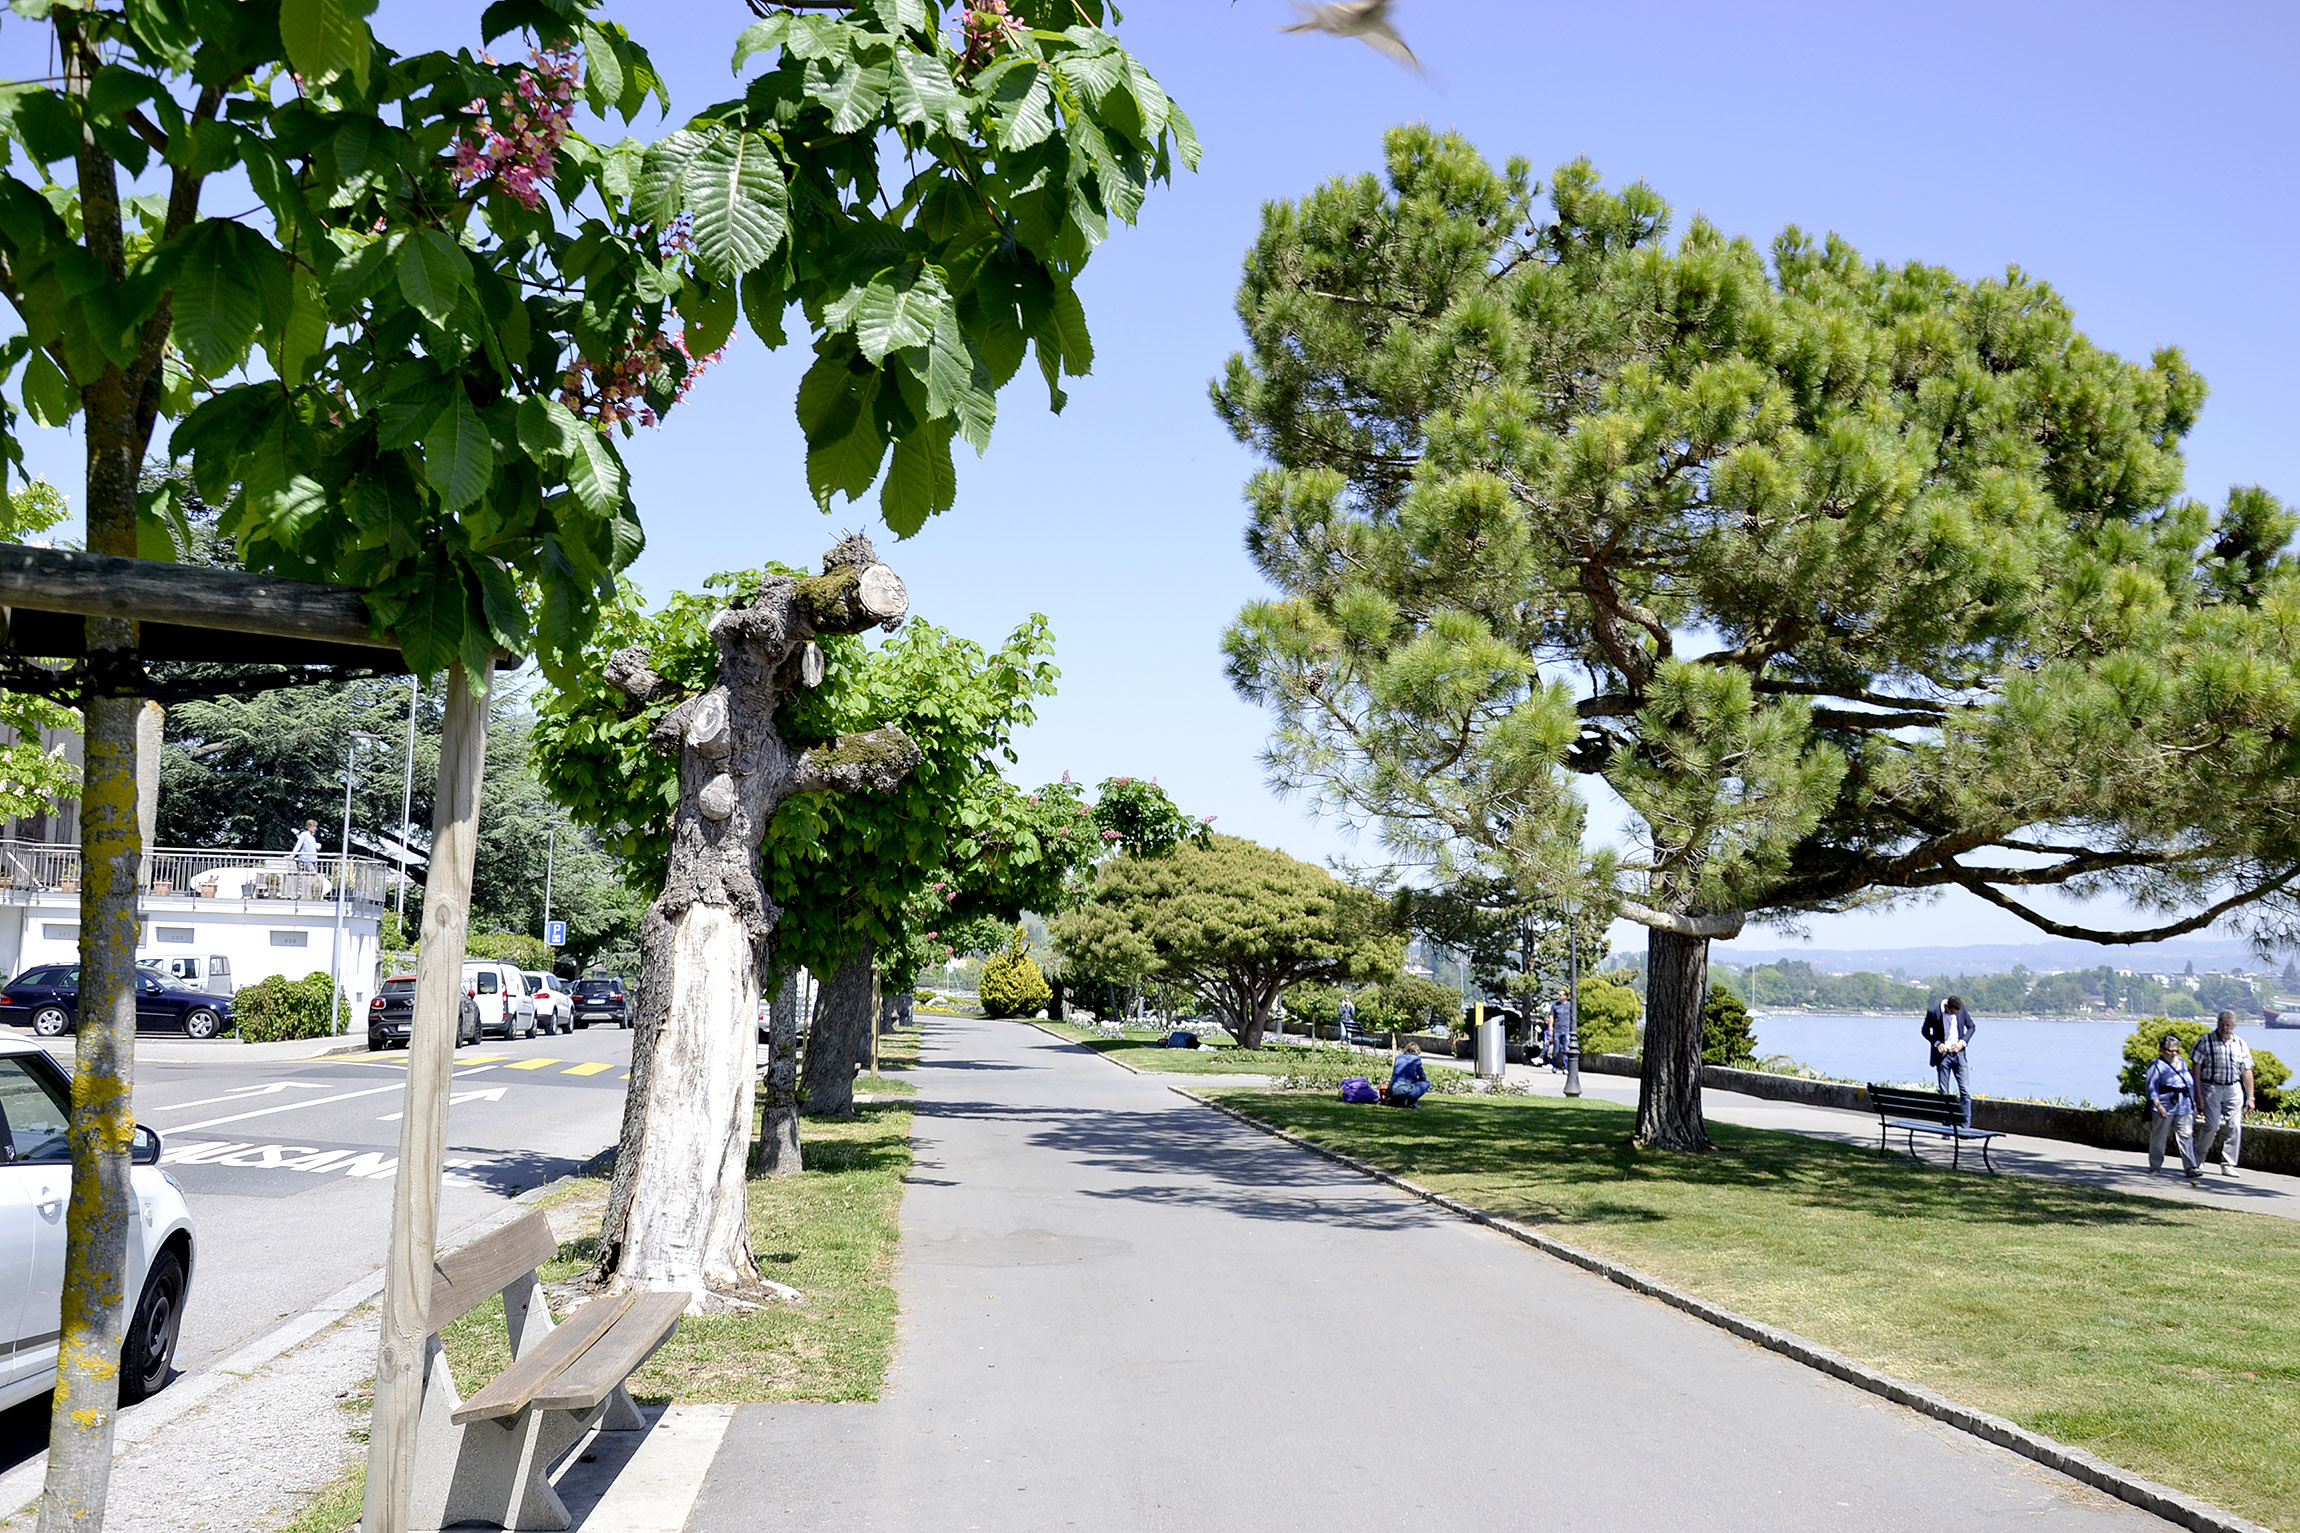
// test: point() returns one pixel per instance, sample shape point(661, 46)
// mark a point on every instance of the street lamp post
point(1572, 995)
point(342, 876)
point(407, 798)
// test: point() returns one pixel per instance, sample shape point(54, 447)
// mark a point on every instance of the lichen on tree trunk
point(1669, 1093)
point(677, 1214)
point(778, 1152)
point(838, 1042)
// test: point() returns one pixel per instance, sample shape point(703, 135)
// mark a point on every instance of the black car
point(392, 1013)
point(602, 1000)
point(48, 997)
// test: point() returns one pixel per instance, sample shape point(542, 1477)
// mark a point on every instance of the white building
point(212, 920)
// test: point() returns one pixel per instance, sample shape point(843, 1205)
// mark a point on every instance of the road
point(288, 1166)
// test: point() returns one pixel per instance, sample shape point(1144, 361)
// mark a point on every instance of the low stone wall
point(2110, 1128)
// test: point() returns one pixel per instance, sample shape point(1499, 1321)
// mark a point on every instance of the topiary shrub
point(1011, 984)
point(1727, 1035)
point(2269, 1073)
point(509, 947)
point(279, 1007)
point(1608, 1017)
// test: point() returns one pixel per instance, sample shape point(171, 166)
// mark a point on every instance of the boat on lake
point(2279, 1020)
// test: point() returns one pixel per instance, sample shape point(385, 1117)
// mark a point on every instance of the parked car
point(391, 1015)
point(554, 1007)
point(35, 1185)
point(501, 994)
point(602, 998)
point(48, 998)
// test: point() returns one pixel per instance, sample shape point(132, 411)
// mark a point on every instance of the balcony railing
point(33, 867)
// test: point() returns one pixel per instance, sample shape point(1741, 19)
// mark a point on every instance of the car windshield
point(399, 987)
point(595, 987)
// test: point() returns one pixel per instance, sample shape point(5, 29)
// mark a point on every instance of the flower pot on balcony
point(162, 886)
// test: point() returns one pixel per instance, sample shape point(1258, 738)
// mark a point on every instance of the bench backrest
point(463, 1280)
point(1908, 1102)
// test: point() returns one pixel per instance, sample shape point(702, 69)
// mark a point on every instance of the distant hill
point(2209, 954)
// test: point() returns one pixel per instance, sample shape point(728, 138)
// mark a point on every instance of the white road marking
point(242, 1093)
point(265, 1112)
point(309, 1159)
point(492, 1094)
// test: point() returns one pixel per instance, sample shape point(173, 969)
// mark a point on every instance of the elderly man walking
point(2224, 1081)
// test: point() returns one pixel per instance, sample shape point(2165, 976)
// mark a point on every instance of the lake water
point(2011, 1057)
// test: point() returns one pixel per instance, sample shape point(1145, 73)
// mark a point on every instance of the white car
point(501, 991)
point(35, 1185)
point(554, 1007)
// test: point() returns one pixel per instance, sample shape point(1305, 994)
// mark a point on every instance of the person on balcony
point(307, 847)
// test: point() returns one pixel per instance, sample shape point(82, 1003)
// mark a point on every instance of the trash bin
point(1492, 1048)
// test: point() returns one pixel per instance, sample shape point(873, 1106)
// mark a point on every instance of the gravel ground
point(249, 1459)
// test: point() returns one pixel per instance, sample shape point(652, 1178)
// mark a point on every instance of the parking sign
point(555, 934)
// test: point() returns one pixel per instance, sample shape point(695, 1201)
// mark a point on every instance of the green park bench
point(487, 1459)
point(1912, 1112)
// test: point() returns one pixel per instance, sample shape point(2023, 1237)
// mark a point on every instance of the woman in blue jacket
point(1408, 1081)
point(2172, 1107)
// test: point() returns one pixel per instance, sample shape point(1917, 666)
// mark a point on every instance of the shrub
point(1608, 1017)
point(511, 948)
point(279, 1007)
point(1411, 1003)
point(1011, 984)
point(1727, 1036)
point(2269, 1073)
point(1317, 1005)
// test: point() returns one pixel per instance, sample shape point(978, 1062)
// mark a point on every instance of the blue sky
point(2139, 158)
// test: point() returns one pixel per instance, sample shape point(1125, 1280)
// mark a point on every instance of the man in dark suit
point(1949, 1028)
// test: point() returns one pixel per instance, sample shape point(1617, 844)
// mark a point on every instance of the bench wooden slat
point(463, 1280)
point(516, 1386)
point(607, 1362)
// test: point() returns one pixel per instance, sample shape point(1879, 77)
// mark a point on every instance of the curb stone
point(2162, 1500)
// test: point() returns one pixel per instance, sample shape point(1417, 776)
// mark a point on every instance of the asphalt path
point(1124, 1311)
point(288, 1167)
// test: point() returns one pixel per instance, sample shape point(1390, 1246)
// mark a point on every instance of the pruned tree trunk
point(678, 1217)
point(1669, 1095)
point(778, 1152)
point(839, 1040)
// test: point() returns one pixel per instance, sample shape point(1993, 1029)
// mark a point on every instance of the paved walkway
point(1124, 1311)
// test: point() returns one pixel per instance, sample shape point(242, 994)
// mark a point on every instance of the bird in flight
point(1366, 20)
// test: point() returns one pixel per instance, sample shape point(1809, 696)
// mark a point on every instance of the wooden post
point(407, 1271)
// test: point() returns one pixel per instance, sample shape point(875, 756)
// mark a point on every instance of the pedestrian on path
point(1560, 1024)
point(2172, 1108)
point(1949, 1028)
point(2224, 1081)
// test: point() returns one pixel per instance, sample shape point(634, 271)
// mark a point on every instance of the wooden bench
point(1915, 1112)
point(486, 1459)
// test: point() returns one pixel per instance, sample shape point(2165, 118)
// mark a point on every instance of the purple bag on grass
point(1358, 1089)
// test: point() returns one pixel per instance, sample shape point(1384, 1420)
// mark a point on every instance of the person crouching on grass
point(2172, 1107)
point(1408, 1080)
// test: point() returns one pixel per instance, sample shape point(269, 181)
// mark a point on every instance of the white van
point(501, 993)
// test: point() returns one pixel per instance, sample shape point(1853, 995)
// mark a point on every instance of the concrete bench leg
point(498, 1471)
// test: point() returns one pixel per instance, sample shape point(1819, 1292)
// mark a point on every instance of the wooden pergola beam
point(185, 596)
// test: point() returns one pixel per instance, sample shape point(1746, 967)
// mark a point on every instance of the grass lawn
point(2163, 1337)
point(897, 1055)
point(1216, 1056)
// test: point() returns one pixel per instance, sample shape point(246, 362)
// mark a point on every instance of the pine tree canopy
point(1852, 580)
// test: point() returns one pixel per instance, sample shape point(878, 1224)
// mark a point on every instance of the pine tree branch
point(2204, 918)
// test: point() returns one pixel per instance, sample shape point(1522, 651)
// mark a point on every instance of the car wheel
point(150, 1346)
point(51, 1022)
point(200, 1024)
point(374, 1044)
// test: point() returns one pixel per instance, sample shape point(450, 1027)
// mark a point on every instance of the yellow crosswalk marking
point(530, 1064)
point(592, 1068)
